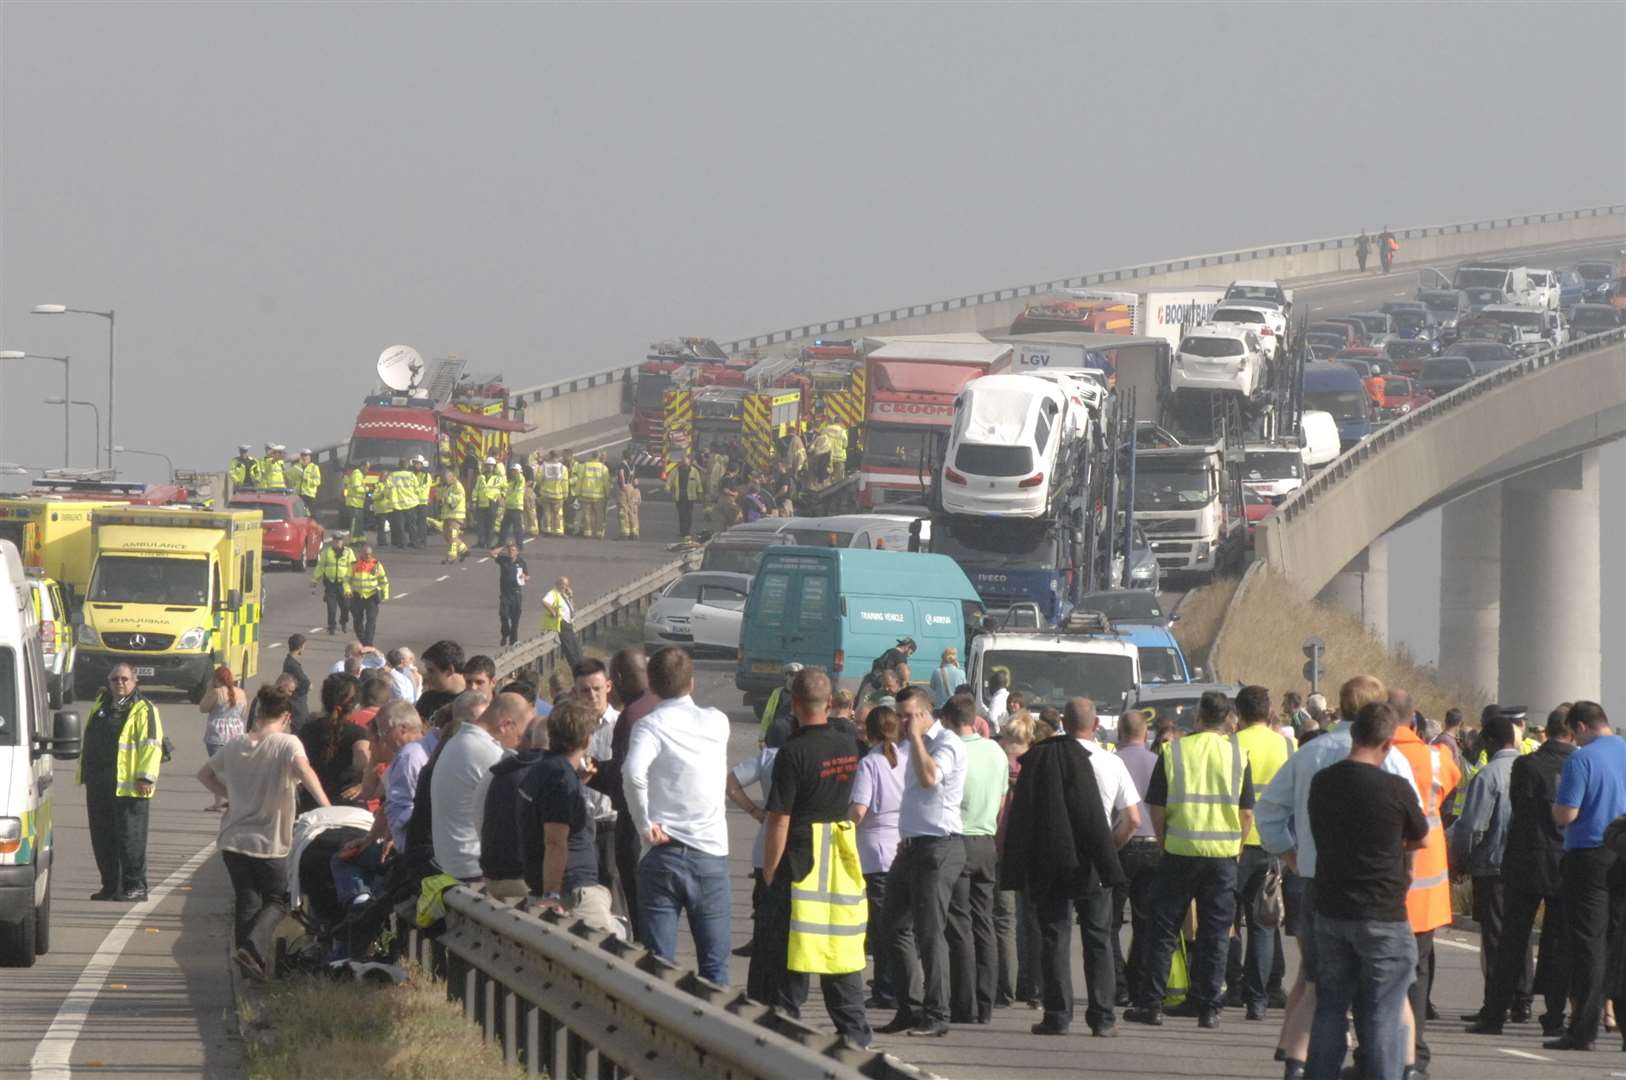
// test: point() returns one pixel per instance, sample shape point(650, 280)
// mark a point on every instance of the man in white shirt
point(405, 682)
point(1121, 800)
point(675, 776)
point(486, 729)
point(999, 683)
point(358, 656)
point(593, 683)
point(930, 856)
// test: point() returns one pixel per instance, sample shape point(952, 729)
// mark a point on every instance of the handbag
point(1267, 904)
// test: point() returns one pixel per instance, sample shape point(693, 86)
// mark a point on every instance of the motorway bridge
point(145, 990)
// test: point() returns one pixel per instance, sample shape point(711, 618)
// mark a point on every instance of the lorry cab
point(1190, 508)
point(1020, 562)
point(1161, 658)
point(174, 593)
point(1336, 389)
point(840, 608)
point(1088, 658)
point(1274, 472)
point(30, 738)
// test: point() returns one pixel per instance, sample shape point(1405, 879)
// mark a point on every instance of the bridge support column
point(1551, 591)
point(1362, 588)
point(1471, 589)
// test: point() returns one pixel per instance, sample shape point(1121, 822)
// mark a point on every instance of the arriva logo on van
point(881, 616)
point(939, 620)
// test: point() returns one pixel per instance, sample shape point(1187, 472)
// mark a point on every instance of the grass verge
point(1200, 618)
point(1264, 646)
point(319, 1028)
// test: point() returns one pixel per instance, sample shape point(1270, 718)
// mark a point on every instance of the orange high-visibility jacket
point(1428, 903)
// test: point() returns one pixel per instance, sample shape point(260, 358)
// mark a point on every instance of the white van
point(1318, 437)
point(1009, 447)
point(28, 742)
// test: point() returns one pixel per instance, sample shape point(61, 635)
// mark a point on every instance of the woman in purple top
point(876, 796)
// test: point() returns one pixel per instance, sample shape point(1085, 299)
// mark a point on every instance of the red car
point(292, 532)
point(1257, 507)
point(1400, 396)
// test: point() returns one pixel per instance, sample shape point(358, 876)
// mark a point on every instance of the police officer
point(595, 493)
point(1201, 800)
point(453, 511)
point(305, 475)
point(420, 513)
point(242, 467)
point(403, 496)
point(271, 473)
point(366, 587)
point(355, 498)
point(555, 491)
point(384, 510)
point(513, 519)
point(332, 570)
point(489, 492)
point(629, 499)
point(123, 750)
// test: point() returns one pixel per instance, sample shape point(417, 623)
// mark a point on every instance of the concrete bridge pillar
point(1362, 588)
point(1551, 592)
point(1471, 589)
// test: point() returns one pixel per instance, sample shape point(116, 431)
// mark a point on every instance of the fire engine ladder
point(443, 378)
point(767, 373)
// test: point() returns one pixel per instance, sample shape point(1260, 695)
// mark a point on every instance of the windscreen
point(1282, 466)
point(830, 538)
point(1344, 405)
point(1411, 319)
point(895, 446)
point(1050, 678)
point(651, 392)
point(141, 579)
point(389, 451)
point(1159, 665)
point(986, 459)
point(1594, 271)
point(1236, 315)
point(1375, 324)
point(1524, 320)
point(1124, 605)
point(1479, 279)
point(742, 559)
point(1177, 488)
point(1211, 346)
point(1014, 543)
point(1252, 292)
point(1590, 320)
point(1449, 367)
point(11, 714)
point(1440, 301)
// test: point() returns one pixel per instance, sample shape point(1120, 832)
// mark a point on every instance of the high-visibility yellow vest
point(425, 482)
point(595, 482)
point(555, 482)
point(514, 497)
point(241, 469)
point(768, 710)
point(403, 490)
point(453, 502)
point(333, 564)
point(828, 908)
point(554, 602)
point(838, 441)
point(489, 489)
point(1204, 771)
point(366, 579)
point(270, 474)
point(355, 489)
point(574, 470)
point(141, 747)
point(696, 482)
point(383, 497)
point(1267, 750)
point(307, 479)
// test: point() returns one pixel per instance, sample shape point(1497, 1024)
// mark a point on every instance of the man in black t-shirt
point(1365, 822)
point(556, 830)
point(511, 577)
point(812, 782)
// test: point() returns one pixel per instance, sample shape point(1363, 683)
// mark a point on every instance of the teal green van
point(840, 608)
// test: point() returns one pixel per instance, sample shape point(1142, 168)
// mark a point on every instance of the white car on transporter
point(1009, 447)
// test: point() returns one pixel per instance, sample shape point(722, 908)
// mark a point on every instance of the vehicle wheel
point(42, 923)
point(195, 695)
point(53, 693)
point(17, 941)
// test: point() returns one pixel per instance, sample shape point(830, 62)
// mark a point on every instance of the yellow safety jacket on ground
point(829, 912)
point(141, 747)
point(514, 496)
point(403, 487)
point(595, 481)
point(270, 474)
point(425, 483)
point(1267, 751)
point(555, 483)
point(333, 564)
point(489, 489)
point(1204, 772)
point(453, 502)
point(355, 489)
point(366, 579)
point(241, 470)
point(574, 470)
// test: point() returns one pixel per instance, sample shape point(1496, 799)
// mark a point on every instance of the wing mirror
point(66, 737)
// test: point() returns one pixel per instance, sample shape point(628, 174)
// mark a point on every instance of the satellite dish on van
point(400, 367)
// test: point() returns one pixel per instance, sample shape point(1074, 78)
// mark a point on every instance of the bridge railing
point(1346, 464)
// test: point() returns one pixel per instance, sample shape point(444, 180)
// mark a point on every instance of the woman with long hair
point(339, 750)
point(877, 794)
point(224, 706)
point(947, 677)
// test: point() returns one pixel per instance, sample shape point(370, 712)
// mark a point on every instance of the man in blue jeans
point(1365, 822)
point(675, 777)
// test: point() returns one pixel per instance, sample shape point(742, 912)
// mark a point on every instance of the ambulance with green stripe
point(29, 739)
point(175, 592)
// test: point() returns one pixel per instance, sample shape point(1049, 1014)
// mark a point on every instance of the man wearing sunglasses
point(123, 748)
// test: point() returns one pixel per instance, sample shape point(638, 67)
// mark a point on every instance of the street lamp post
point(150, 453)
point(96, 413)
point(61, 309)
point(67, 427)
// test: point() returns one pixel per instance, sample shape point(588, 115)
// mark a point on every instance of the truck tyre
point(42, 923)
point(54, 688)
point(18, 941)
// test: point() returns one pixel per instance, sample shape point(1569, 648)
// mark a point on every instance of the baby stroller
point(336, 939)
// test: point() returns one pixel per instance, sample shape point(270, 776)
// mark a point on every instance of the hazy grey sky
point(270, 194)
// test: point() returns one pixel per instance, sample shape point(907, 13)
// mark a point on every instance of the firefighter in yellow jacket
point(489, 491)
point(813, 914)
point(453, 512)
point(595, 494)
point(629, 497)
point(403, 489)
point(123, 749)
point(513, 518)
point(533, 463)
point(837, 436)
point(573, 508)
point(420, 513)
point(553, 486)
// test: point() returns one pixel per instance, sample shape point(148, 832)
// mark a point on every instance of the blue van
point(1335, 388)
point(840, 608)
point(1161, 658)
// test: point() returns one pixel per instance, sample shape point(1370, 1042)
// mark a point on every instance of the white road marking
point(486, 560)
point(1527, 1055)
point(55, 1049)
point(402, 595)
point(314, 630)
point(1463, 945)
point(443, 577)
point(1402, 293)
point(274, 645)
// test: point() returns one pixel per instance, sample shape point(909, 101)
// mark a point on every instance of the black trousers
point(338, 610)
point(875, 892)
point(487, 517)
point(1180, 879)
point(118, 835)
point(1552, 977)
point(609, 871)
point(843, 994)
point(1260, 950)
point(420, 525)
point(364, 614)
point(1595, 891)
point(1094, 913)
point(508, 607)
point(258, 885)
point(627, 852)
point(918, 889)
point(513, 526)
point(1422, 983)
point(1489, 911)
point(570, 645)
point(973, 950)
point(685, 511)
point(1139, 860)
